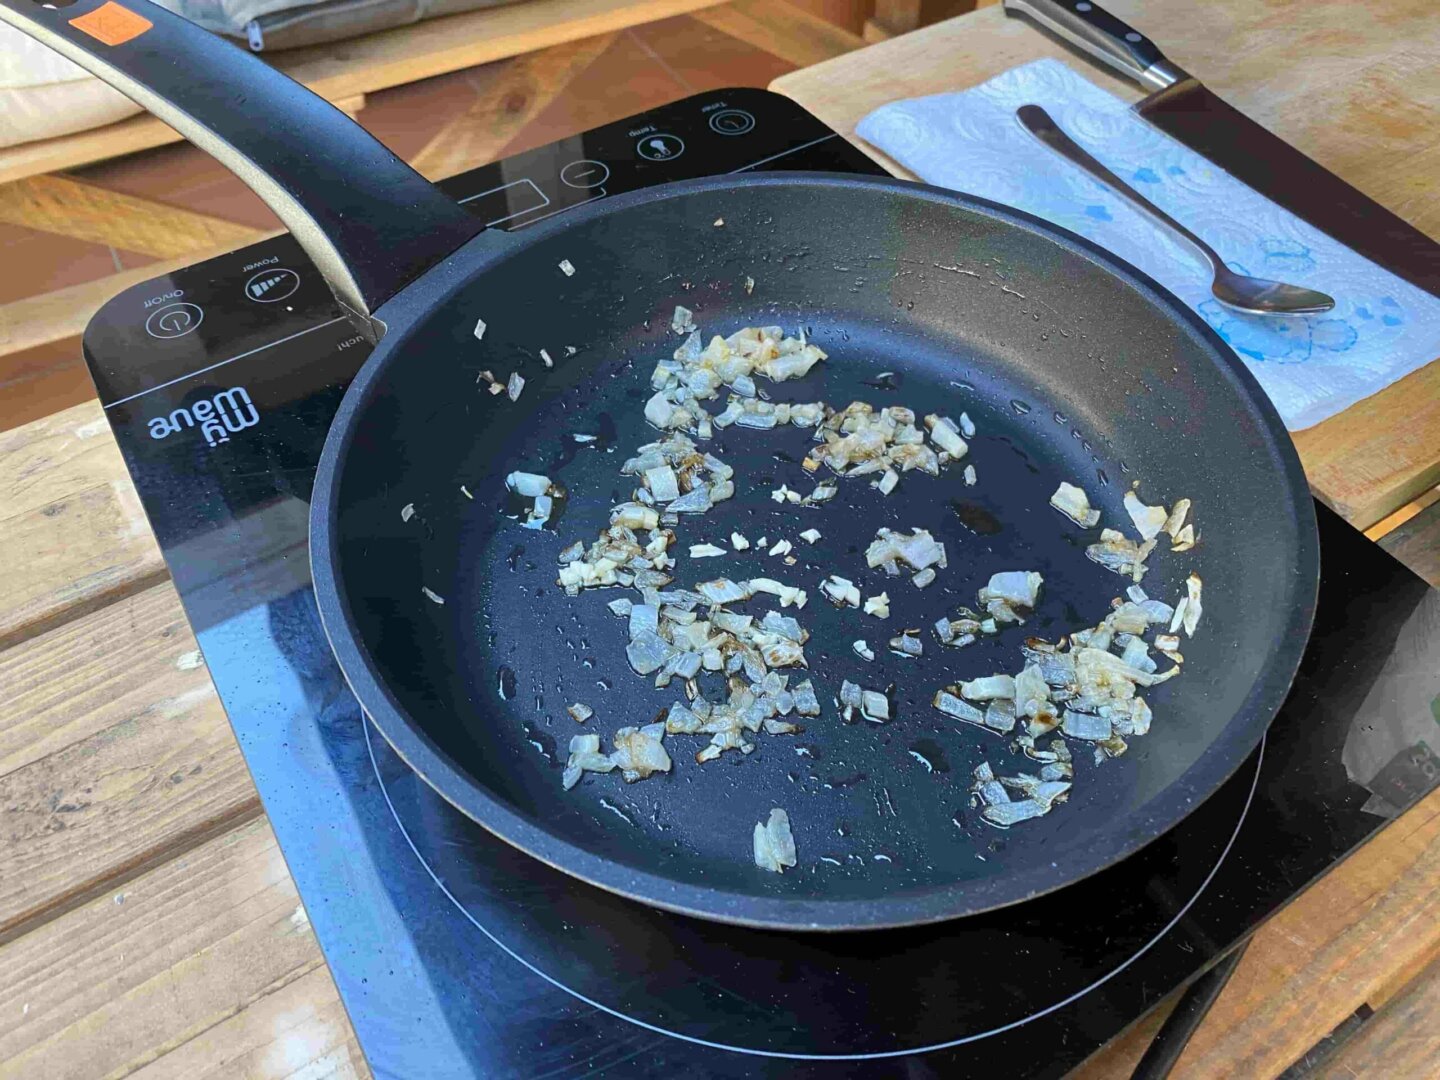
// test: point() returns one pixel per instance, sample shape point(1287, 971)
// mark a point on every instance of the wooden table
point(148, 926)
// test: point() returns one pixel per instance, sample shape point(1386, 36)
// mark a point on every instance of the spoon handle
point(1038, 122)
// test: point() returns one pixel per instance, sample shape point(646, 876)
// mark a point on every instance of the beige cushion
point(43, 95)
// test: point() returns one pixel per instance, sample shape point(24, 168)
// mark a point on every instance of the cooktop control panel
point(183, 327)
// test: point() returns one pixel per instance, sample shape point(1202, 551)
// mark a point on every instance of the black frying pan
point(1073, 365)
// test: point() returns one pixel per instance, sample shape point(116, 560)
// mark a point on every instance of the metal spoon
point(1255, 295)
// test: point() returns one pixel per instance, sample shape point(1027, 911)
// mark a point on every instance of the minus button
point(584, 174)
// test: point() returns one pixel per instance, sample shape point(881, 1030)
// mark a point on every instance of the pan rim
point(929, 904)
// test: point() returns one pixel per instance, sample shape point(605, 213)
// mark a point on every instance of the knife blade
point(1183, 108)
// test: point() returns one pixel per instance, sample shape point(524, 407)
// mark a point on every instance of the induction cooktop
point(456, 955)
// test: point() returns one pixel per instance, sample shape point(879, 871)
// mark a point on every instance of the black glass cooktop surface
point(456, 955)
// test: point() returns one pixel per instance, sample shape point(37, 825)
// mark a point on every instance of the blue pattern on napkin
point(1382, 328)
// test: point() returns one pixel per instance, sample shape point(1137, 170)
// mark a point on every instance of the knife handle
point(1094, 31)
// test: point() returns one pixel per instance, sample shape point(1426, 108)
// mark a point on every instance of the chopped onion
point(432, 595)
point(946, 434)
point(988, 688)
point(810, 535)
point(863, 650)
point(683, 321)
point(479, 329)
point(639, 753)
point(407, 511)
point(705, 551)
point(879, 606)
point(1075, 504)
point(529, 485)
point(780, 547)
point(840, 591)
point(1177, 517)
point(1191, 618)
point(970, 478)
point(585, 757)
point(580, 713)
point(907, 644)
point(1019, 588)
point(514, 386)
point(738, 542)
point(567, 267)
point(874, 706)
point(951, 705)
point(967, 426)
point(773, 843)
point(1149, 520)
point(545, 359)
point(924, 577)
point(1085, 726)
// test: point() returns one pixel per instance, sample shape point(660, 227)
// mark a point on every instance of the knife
point(1184, 109)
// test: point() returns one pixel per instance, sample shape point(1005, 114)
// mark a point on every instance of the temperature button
point(173, 320)
point(272, 284)
point(660, 146)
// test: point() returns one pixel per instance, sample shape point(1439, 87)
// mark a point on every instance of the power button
point(173, 320)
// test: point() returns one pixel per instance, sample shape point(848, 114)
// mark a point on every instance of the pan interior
point(1068, 372)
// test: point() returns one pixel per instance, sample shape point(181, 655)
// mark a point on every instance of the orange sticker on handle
point(112, 24)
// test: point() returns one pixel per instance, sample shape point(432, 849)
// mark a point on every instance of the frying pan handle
point(368, 221)
point(1088, 27)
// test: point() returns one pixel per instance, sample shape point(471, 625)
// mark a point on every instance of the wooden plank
point(1417, 544)
point(1270, 60)
point(67, 507)
point(1333, 949)
point(59, 204)
point(64, 313)
point(112, 140)
point(782, 30)
point(893, 17)
point(349, 69)
point(436, 46)
point(515, 93)
point(113, 768)
point(1391, 522)
point(56, 697)
point(1380, 453)
point(1400, 1042)
point(205, 965)
point(299, 1032)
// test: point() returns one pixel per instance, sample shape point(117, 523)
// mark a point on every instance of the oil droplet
point(1020, 407)
point(1061, 418)
point(886, 380)
point(1100, 475)
point(1124, 469)
point(975, 517)
point(506, 683)
point(934, 754)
